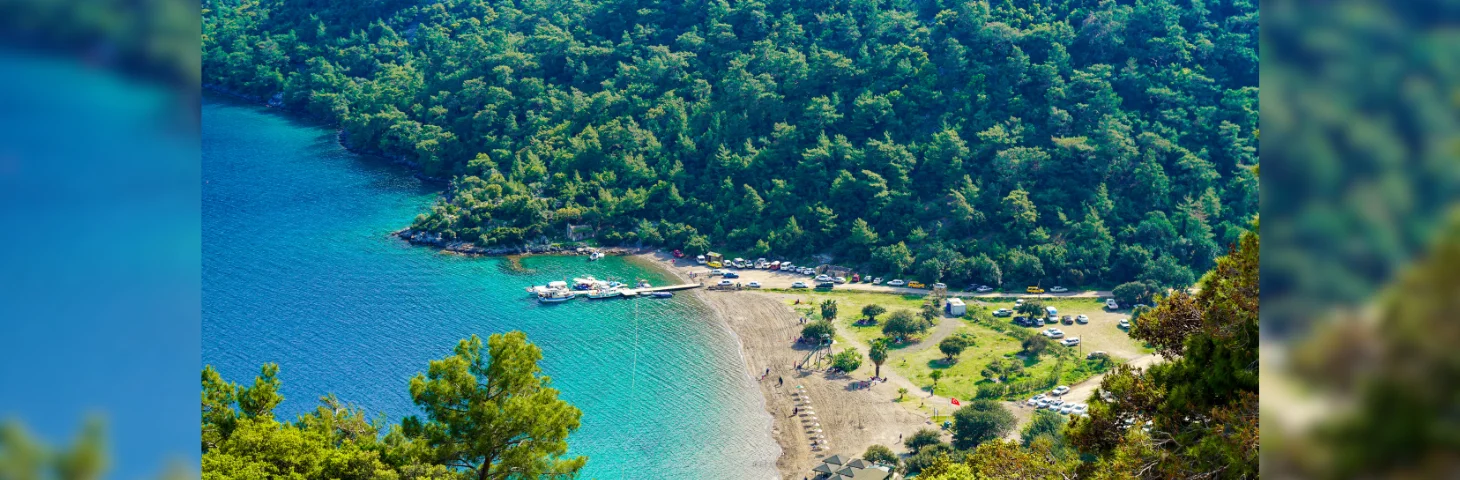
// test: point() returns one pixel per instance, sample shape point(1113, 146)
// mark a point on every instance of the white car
point(1070, 342)
point(1058, 289)
point(753, 284)
point(798, 285)
point(984, 289)
point(839, 279)
point(823, 278)
point(726, 283)
point(1080, 409)
point(1053, 333)
point(1060, 390)
point(716, 272)
point(877, 281)
point(1111, 304)
point(896, 283)
point(1033, 401)
point(940, 285)
point(1042, 403)
point(1082, 319)
point(1018, 302)
point(1124, 323)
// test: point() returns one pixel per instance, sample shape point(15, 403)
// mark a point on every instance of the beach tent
point(859, 463)
point(848, 471)
point(836, 460)
point(824, 468)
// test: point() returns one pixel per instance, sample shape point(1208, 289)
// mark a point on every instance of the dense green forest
point(1070, 142)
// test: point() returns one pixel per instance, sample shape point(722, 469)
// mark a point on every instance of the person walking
point(780, 381)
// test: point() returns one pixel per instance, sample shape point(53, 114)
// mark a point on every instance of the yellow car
point(715, 264)
point(1034, 290)
point(915, 284)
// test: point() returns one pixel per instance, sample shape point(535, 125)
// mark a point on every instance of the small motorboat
point(557, 296)
point(662, 294)
point(604, 294)
point(595, 256)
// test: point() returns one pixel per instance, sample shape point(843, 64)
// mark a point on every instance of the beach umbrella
point(836, 460)
point(859, 463)
point(824, 468)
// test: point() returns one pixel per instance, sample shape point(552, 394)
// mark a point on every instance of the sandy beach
point(850, 419)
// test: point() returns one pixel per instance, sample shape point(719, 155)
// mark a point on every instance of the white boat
point(557, 296)
point(595, 256)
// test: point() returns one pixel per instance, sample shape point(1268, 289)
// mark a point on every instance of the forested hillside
point(1070, 142)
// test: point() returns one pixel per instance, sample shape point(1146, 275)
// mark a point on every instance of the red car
point(678, 254)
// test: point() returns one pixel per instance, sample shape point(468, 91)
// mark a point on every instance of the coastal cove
point(300, 269)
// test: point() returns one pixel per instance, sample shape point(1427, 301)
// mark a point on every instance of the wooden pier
point(666, 288)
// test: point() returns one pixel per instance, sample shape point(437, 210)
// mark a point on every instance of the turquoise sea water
point(298, 269)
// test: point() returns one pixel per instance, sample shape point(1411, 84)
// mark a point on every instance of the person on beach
point(780, 381)
point(767, 372)
point(795, 411)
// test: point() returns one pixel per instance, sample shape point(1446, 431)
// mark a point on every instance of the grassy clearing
point(849, 309)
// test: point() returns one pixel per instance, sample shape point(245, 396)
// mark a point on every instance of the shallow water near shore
point(299, 269)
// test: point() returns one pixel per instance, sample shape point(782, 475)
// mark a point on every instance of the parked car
point(726, 283)
point(1051, 311)
point(940, 285)
point(1097, 354)
point(984, 289)
point(732, 275)
point(877, 281)
point(839, 279)
point(1067, 320)
point(799, 285)
point(1111, 304)
point(916, 285)
point(1052, 320)
point(1003, 312)
point(1034, 290)
point(1054, 405)
point(1060, 390)
point(1053, 333)
point(823, 278)
point(716, 272)
point(678, 254)
point(825, 285)
point(1058, 289)
point(896, 283)
point(1018, 302)
point(1082, 319)
point(753, 284)
point(1070, 342)
point(1124, 323)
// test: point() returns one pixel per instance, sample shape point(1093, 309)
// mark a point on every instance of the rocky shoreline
point(434, 240)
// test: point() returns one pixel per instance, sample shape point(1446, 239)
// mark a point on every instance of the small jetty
point(666, 288)
point(594, 289)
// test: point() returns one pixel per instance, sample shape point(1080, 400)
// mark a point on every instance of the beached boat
point(662, 294)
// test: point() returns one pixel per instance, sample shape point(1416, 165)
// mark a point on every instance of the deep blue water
point(99, 299)
point(298, 269)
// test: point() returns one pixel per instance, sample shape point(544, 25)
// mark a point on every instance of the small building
point(956, 307)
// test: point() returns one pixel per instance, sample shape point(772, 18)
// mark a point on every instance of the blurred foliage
point(1397, 373)
point(22, 457)
point(156, 39)
point(1359, 108)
